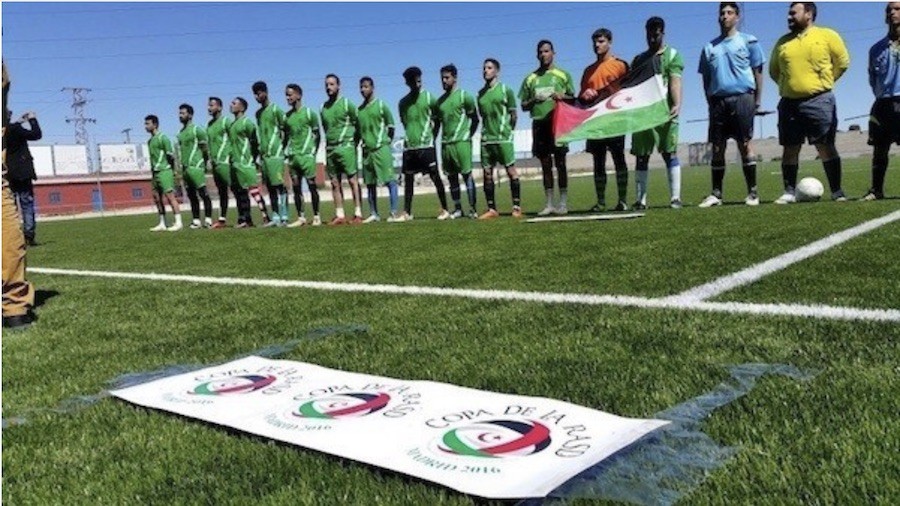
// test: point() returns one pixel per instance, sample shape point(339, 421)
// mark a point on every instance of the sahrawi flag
point(641, 104)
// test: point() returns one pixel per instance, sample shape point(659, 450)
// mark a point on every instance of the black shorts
point(813, 118)
point(613, 145)
point(542, 141)
point(420, 161)
point(884, 122)
point(731, 118)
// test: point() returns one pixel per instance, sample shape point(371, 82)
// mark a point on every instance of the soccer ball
point(810, 189)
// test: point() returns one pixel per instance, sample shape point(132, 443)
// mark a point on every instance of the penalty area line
point(758, 271)
point(810, 311)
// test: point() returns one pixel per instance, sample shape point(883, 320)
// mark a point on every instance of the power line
point(79, 100)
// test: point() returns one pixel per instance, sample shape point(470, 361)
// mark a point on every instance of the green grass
point(833, 439)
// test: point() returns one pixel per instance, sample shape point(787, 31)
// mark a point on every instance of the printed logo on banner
point(317, 409)
point(269, 380)
point(466, 440)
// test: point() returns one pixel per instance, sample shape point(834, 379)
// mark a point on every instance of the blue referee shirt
point(727, 64)
point(884, 69)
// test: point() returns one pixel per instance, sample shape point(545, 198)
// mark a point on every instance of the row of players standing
point(805, 63)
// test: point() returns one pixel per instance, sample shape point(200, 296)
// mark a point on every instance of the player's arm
point(526, 95)
point(757, 60)
point(703, 70)
point(203, 141)
point(169, 152)
point(840, 57)
point(254, 140)
point(774, 68)
point(587, 95)
point(435, 119)
point(677, 69)
point(471, 112)
point(569, 93)
point(511, 108)
point(872, 74)
point(353, 113)
point(388, 120)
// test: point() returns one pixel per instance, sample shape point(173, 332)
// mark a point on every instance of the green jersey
point(160, 149)
point(541, 84)
point(454, 109)
point(300, 130)
point(217, 134)
point(189, 140)
point(270, 130)
point(240, 132)
point(669, 63)
point(496, 104)
point(374, 121)
point(339, 119)
point(417, 112)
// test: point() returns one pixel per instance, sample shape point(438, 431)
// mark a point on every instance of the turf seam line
point(758, 271)
point(813, 311)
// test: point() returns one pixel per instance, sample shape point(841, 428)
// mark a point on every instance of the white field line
point(755, 272)
point(812, 311)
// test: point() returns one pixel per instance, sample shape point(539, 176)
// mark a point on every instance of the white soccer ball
point(809, 189)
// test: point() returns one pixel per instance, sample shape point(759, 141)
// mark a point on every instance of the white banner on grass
point(482, 443)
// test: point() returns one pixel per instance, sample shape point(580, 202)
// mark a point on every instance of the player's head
point(185, 113)
point(892, 14)
point(601, 40)
point(293, 93)
point(545, 53)
point(151, 123)
point(448, 76)
point(214, 105)
point(260, 92)
point(366, 87)
point(238, 105)
point(332, 85)
point(656, 32)
point(801, 15)
point(729, 15)
point(413, 78)
point(490, 69)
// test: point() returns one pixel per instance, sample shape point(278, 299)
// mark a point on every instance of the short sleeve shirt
point(727, 64)
point(301, 127)
point(270, 130)
point(339, 119)
point(375, 119)
point(160, 148)
point(417, 112)
point(217, 133)
point(455, 109)
point(189, 140)
point(239, 134)
point(542, 83)
point(495, 104)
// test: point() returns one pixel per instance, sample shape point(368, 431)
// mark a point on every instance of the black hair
point(367, 79)
point(242, 101)
point(655, 23)
point(494, 61)
point(412, 73)
point(602, 32)
point(733, 5)
point(451, 69)
point(336, 78)
point(260, 86)
point(544, 41)
point(216, 100)
point(187, 107)
point(808, 7)
point(295, 87)
point(153, 118)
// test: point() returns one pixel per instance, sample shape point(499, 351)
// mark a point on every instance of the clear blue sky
point(143, 58)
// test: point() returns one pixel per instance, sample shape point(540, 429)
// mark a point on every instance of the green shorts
point(243, 177)
point(457, 157)
point(378, 166)
point(341, 160)
point(222, 174)
point(194, 177)
point(497, 154)
point(273, 170)
point(664, 138)
point(164, 181)
point(302, 166)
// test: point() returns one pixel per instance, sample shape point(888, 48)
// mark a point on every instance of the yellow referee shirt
point(808, 63)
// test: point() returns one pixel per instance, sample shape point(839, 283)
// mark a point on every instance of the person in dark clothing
point(21, 169)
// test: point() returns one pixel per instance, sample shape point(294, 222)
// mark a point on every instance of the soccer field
point(603, 314)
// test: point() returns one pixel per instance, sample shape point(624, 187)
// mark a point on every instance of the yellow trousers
point(18, 294)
